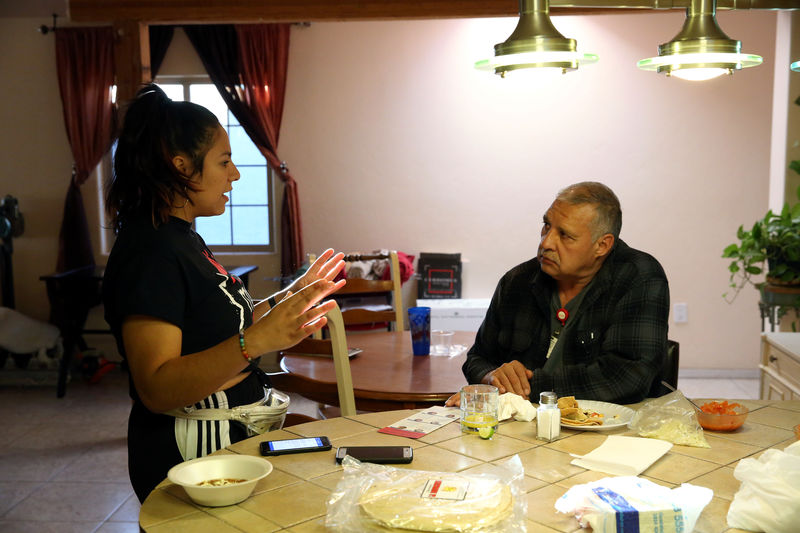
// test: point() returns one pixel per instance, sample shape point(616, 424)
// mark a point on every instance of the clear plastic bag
point(630, 503)
point(671, 418)
point(769, 496)
point(372, 497)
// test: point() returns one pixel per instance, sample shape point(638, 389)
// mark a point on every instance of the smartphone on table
point(306, 444)
point(376, 454)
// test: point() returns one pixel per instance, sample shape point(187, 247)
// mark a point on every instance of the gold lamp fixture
point(701, 51)
point(535, 43)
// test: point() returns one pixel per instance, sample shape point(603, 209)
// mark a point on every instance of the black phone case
point(378, 460)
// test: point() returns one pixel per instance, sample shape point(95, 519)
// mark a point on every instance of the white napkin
point(623, 456)
point(515, 405)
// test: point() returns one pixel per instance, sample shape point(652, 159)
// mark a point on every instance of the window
point(246, 224)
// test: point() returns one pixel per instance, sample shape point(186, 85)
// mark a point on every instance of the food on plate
point(573, 415)
point(220, 482)
point(438, 502)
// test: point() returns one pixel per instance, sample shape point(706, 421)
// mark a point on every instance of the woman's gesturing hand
point(294, 318)
point(325, 267)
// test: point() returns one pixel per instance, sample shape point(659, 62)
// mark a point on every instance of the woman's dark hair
point(155, 129)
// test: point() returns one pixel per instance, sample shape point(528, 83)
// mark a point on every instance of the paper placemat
point(419, 424)
point(623, 456)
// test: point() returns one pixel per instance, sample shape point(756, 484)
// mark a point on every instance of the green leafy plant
point(773, 242)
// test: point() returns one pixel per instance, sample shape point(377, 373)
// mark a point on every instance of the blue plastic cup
point(419, 322)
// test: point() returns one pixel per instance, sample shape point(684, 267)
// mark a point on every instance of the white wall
point(398, 142)
point(37, 162)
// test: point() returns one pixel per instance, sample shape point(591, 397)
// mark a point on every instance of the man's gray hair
point(608, 218)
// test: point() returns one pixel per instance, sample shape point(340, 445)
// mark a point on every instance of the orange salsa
point(721, 416)
point(720, 408)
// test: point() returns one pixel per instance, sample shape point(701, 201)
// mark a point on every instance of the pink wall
point(398, 142)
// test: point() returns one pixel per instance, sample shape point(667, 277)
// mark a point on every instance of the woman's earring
point(185, 195)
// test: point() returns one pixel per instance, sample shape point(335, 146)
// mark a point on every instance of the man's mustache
point(551, 256)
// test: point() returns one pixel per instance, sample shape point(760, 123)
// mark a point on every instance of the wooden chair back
point(393, 312)
point(335, 346)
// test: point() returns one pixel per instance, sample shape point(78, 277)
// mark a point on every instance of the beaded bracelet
point(242, 346)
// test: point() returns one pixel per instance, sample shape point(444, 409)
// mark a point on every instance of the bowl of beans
point(219, 480)
point(722, 415)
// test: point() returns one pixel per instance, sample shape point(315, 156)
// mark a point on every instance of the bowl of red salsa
point(722, 415)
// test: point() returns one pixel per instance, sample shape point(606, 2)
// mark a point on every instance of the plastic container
point(727, 416)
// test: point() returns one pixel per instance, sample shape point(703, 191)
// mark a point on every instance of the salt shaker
point(548, 417)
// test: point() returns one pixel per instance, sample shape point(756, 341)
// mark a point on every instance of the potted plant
point(774, 242)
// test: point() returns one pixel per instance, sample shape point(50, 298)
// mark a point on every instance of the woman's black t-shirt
point(168, 272)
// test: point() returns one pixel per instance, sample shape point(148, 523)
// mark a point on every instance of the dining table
point(386, 375)
point(294, 496)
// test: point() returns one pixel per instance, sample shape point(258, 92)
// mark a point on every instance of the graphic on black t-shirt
point(237, 285)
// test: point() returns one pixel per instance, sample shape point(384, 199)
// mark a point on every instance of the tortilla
point(462, 503)
point(573, 415)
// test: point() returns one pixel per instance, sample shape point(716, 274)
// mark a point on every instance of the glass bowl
point(729, 416)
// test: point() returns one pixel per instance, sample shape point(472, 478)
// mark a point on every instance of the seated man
point(587, 317)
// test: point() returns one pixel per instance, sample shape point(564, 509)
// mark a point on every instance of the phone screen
point(310, 444)
point(293, 444)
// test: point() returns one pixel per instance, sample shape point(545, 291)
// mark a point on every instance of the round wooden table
point(386, 374)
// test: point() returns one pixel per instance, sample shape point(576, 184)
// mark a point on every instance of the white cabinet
point(464, 314)
point(780, 366)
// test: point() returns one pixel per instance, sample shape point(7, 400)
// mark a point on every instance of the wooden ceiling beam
point(228, 11)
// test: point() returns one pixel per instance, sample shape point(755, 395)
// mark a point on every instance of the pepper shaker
point(548, 417)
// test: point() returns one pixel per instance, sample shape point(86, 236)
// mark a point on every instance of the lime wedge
point(486, 432)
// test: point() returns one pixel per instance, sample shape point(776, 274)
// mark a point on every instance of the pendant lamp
point(701, 51)
point(535, 43)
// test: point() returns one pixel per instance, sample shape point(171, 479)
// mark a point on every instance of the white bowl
point(228, 466)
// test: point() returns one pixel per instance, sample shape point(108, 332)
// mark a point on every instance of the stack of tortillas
point(437, 501)
point(573, 415)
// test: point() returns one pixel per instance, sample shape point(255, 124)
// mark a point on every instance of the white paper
point(624, 456)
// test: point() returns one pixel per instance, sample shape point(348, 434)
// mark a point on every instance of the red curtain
point(85, 64)
point(247, 63)
point(264, 57)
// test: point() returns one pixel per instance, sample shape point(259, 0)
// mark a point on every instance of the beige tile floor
point(63, 461)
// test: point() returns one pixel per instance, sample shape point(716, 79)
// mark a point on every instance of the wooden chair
point(335, 346)
point(355, 313)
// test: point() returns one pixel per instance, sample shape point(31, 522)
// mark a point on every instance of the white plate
point(608, 410)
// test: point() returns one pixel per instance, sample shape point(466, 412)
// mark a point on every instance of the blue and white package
point(630, 504)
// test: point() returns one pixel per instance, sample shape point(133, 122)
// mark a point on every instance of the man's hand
point(510, 377)
point(454, 400)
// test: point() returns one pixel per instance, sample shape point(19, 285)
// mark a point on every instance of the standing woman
point(187, 328)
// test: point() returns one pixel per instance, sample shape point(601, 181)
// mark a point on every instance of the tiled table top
point(294, 496)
